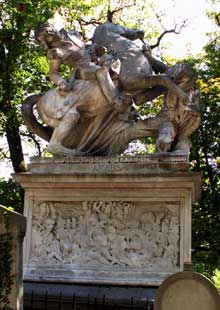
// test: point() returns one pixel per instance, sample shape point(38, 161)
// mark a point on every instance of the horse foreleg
point(132, 84)
point(149, 95)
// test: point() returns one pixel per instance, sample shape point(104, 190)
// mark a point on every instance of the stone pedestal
point(123, 220)
point(12, 231)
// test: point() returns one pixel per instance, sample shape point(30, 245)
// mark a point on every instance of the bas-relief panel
point(106, 234)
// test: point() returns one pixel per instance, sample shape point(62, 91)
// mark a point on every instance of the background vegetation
point(24, 70)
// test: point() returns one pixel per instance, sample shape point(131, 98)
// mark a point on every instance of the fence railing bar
point(32, 300)
point(73, 302)
point(46, 300)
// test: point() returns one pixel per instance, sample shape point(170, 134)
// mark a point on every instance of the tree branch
point(93, 21)
point(110, 13)
point(174, 30)
point(217, 19)
point(4, 154)
point(36, 142)
point(158, 16)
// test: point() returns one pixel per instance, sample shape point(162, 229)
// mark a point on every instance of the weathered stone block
point(96, 223)
point(12, 228)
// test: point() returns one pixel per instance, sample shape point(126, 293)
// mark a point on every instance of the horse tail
point(30, 120)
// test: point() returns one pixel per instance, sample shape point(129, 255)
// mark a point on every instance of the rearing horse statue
point(136, 73)
point(89, 114)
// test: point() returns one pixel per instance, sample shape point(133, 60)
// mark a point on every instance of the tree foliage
point(11, 195)
point(205, 157)
point(16, 50)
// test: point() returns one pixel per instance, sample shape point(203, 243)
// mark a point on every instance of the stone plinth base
point(12, 231)
point(124, 220)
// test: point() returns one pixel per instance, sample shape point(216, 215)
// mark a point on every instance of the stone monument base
point(119, 221)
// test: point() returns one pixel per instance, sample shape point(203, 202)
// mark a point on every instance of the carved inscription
point(106, 168)
point(107, 233)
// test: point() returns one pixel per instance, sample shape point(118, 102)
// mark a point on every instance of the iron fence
point(45, 301)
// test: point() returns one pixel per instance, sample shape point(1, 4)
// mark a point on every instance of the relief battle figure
point(92, 113)
point(94, 234)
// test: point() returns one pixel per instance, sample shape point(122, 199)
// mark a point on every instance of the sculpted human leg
point(106, 83)
point(166, 136)
point(188, 125)
point(109, 90)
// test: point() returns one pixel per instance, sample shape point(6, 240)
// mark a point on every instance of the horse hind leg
point(60, 133)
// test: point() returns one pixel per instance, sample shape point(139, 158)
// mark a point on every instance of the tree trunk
point(15, 147)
